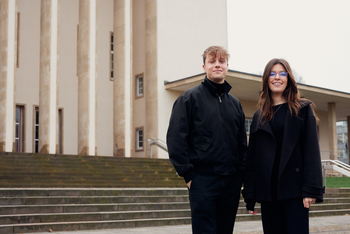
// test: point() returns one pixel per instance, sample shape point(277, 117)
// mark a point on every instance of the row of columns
point(86, 72)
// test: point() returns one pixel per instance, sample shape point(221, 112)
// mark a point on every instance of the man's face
point(216, 68)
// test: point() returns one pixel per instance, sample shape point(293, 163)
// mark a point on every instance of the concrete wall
point(323, 134)
point(27, 82)
point(27, 89)
point(104, 84)
point(67, 74)
point(139, 104)
point(185, 30)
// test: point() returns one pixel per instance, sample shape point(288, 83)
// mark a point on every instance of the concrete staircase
point(59, 192)
point(39, 210)
point(23, 170)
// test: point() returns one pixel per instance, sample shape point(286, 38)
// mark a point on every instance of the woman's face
point(278, 79)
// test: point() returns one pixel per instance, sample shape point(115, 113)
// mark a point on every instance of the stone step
point(73, 208)
point(101, 173)
point(330, 206)
point(333, 195)
point(92, 225)
point(96, 184)
point(27, 192)
point(336, 200)
point(89, 200)
point(92, 216)
point(111, 224)
point(316, 213)
point(138, 177)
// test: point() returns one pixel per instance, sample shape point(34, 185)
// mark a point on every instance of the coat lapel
point(271, 142)
point(292, 127)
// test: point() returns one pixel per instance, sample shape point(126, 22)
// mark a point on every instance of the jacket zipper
point(219, 97)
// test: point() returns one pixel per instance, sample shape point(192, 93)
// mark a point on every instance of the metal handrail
point(158, 142)
point(338, 164)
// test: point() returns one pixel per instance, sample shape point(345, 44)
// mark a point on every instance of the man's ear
point(204, 67)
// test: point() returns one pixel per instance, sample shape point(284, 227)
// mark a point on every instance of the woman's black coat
point(300, 170)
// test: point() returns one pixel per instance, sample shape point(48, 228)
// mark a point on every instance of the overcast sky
point(312, 35)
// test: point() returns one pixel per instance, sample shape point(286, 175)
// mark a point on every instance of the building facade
point(99, 77)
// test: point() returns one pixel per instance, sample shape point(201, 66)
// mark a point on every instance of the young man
point(207, 145)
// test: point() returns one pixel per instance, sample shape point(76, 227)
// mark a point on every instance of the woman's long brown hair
point(290, 94)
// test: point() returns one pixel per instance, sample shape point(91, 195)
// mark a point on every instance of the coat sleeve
point(242, 143)
point(249, 170)
point(177, 138)
point(312, 180)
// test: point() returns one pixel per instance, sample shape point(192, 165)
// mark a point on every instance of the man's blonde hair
point(216, 51)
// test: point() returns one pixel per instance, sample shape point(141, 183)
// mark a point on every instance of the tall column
point(151, 76)
point(8, 55)
point(348, 143)
point(48, 90)
point(122, 79)
point(87, 76)
point(332, 131)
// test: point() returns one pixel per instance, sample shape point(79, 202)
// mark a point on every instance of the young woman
point(283, 168)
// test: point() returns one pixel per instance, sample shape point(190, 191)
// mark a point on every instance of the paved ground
point(332, 224)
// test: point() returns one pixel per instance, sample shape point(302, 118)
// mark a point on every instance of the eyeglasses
point(282, 74)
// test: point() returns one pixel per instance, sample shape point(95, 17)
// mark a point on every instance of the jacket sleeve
point(242, 143)
point(177, 138)
point(249, 170)
point(312, 181)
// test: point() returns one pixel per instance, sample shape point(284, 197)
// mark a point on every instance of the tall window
point(139, 139)
point(139, 86)
point(19, 129)
point(36, 130)
point(60, 131)
point(112, 57)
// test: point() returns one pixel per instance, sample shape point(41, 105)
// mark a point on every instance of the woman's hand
point(189, 184)
point(308, 201)
point(253, 212)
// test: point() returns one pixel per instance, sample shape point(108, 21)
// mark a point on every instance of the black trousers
point(214, 202)
point(287, 217)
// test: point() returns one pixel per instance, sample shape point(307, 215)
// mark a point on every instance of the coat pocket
point(204, 142)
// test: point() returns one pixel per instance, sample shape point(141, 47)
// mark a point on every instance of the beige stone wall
point(104, 84)
point(3, 71)
point(323, 134)
point(68, 80)
point(27, 86)
point(180, 56)
point(249, 108)
point(8, 50)
point(139, 61)
point(49, 34)
point(151, 73)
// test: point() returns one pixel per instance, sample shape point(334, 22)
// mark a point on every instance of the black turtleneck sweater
point(277, 126)
point(220, 88)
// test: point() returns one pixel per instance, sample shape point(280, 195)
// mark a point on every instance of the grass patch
point(338, 182)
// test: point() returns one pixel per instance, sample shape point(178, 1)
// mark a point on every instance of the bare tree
point(298, 78)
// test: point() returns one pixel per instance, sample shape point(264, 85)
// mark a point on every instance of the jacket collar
point(292, 129)
point(257, 124)
point(212, 88)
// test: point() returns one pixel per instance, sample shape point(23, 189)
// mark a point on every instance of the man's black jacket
point(207, 132)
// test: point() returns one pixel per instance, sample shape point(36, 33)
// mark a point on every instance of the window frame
point(137, 139)
point(111, 56)
point(36, 127)
point(137, 85)
point(20, 146)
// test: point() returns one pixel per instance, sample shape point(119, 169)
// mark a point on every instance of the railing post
point(324, 176)
point(151, 151)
